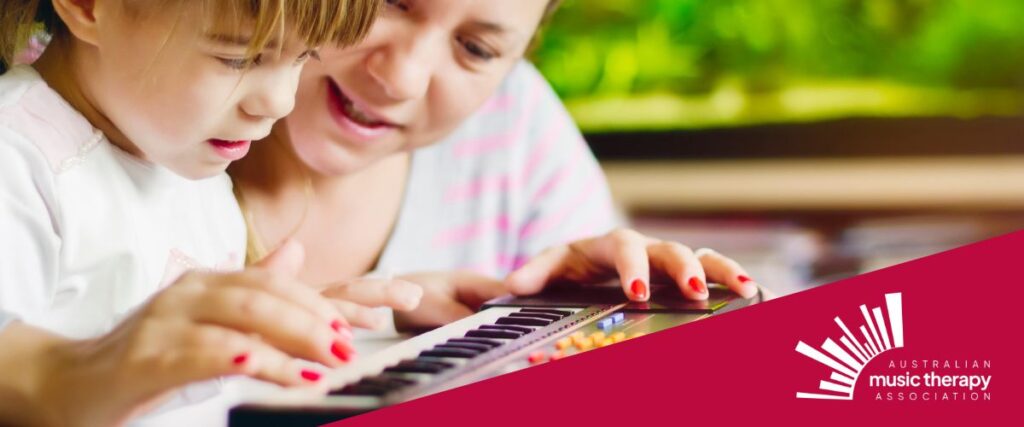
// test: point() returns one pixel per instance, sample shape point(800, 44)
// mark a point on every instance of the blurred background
point(810, 139)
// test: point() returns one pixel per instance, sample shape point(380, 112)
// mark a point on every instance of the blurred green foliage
point(625, 64)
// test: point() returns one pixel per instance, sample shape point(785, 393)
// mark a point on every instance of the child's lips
point(230, 150)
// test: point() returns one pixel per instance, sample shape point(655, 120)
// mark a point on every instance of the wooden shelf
point(904, 183)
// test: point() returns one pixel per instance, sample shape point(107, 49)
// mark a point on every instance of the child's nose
point(404, 67)
point(273, 97)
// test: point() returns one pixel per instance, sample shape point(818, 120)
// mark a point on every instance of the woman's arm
point(572, 232)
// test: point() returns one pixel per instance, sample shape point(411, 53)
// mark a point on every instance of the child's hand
point(259, 322)
point(633, 258)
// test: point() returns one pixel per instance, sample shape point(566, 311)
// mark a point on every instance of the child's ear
point(78, 16)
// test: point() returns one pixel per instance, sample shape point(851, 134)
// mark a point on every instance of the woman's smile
point(356, 120)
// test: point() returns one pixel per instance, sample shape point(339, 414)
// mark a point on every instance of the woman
point(433, 146)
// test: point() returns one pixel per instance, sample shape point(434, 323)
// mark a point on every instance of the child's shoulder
point(33, 113)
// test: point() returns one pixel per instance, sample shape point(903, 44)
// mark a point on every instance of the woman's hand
point(357, 298)
point(633, 258)
point(259, 322)
point(447, 297)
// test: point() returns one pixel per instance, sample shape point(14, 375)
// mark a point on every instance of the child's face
point(425, 68)
point(179, 93)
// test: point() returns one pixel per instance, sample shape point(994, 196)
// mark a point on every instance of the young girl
point(116, 216)
point(433, 146)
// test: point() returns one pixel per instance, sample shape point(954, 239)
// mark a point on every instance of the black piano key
point(374, 386)
point(439, 351)
point(390, 380)
point(523, 321)
point(481, 348)
point(491, 333)
point(562, 313)
point(419, 366)
point(551, 317)
point(361, 390)
point(473, 340)
point(513, 328)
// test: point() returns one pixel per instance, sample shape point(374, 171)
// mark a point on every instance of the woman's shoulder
point(524, 91)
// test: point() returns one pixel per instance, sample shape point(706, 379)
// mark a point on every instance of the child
point(115, 214)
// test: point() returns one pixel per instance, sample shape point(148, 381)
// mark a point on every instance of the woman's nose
point(404, 66)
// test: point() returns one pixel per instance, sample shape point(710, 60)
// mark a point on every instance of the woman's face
point(426, 66)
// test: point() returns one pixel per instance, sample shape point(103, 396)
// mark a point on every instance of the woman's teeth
point(358, 116)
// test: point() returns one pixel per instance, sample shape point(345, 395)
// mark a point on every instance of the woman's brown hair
point(549, 12)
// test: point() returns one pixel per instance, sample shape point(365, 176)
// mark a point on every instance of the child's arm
point(259, 323)
point(24, 361)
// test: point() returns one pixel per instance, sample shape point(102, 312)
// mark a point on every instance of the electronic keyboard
point(506, 335)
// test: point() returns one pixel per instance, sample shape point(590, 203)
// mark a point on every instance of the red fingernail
point(697, 285)
point(310, 375)
point(337, 325)
point(639, 289)
point(743, 278)
point(339, 351)
point(240, 359)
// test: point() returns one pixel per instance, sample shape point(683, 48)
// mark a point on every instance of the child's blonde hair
point(316, 22)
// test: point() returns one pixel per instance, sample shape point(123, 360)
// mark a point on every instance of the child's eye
point(476, 49)
point(241, 63)
point(401, 5)
point(312, 53)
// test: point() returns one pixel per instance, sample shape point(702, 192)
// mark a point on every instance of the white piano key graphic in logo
point(847, 366)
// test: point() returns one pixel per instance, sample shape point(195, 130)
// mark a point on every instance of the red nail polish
point(339, 351)
point(639, 289)
point(697, 285)
point(240, 359)
point(337, 325)
point(310, 375)
point(743, 278)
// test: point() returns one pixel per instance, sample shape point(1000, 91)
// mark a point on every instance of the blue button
point(618, 317)
point(605, 323)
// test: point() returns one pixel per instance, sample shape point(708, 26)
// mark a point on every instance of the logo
point(848, 363)
point(913, 379)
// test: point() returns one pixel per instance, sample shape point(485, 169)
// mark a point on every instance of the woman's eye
point(241, 63)
point(476, 50)
point(399, 4)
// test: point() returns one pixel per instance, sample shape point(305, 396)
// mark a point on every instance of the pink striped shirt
point(513, 180)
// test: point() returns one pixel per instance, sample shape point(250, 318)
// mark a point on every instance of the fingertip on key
point(698, 285)
point(639, 289)
point(341, 351)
